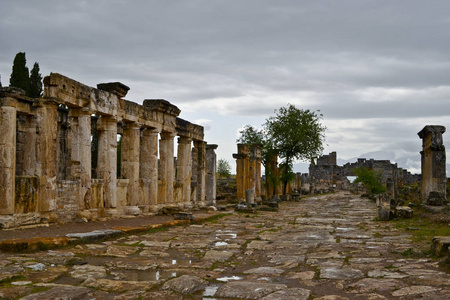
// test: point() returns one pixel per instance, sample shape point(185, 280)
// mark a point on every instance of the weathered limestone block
point(385, 209)
point(440, 245)
point(404, 212)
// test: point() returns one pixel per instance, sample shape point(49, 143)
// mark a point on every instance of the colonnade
point(83, 151)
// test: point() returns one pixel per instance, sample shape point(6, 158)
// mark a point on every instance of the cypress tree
point(35, 82)
point(20, 77)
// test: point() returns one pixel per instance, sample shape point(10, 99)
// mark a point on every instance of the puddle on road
point(228, 278)
point(210, 291)
point(149, 275)
point(225, 233)
point(181, 262)
point(219, 244)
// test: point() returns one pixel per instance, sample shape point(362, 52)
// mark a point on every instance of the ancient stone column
point(184, 168)
point(258, 171)
point(81, 154)
point(107, 159)
point(166, 166)
point(130, 160)
point(194, 168)
point(149, 164)
point(272, 182)
point(211, 168)
point(242, 166)
point(7, 158)
point(434, 177)
point(200, 148)
point(47, 129)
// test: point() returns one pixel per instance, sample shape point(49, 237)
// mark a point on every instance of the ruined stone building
point(81, 151)
point(326, 174)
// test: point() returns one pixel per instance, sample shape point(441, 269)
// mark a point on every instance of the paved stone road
point(324, 247)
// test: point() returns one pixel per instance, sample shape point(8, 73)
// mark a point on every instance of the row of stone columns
point(140, 164)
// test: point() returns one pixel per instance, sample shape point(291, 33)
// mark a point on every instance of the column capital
point(168, 135)
point(184, 140)
point(132, 125)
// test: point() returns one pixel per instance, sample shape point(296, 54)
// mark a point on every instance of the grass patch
point(12, 278)
point(423, 227)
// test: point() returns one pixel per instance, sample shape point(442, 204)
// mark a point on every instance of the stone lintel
point(162, 106)
point(117, 88)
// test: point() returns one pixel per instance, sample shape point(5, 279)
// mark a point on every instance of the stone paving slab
point(322, 247)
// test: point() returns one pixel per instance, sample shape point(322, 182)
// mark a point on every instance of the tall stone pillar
point(434, 177)
point(200, 148)
point(107, 159)
point(242, 167)
point(258, 159)
point(7, 158)
point(211, 160)
point(166, 166)
point(81, 154)
point(149, 164)
point(184, 168)
point(194, 168)
point(47, 128)
point(130, 161)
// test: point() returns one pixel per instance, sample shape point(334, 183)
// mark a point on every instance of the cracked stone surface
point(322, 247)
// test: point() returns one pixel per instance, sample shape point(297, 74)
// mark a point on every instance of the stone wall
point(86, 152)
point(328, 174)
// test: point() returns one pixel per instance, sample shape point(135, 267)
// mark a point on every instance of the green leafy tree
point(223, 168)
point(20, 77)
point(371, 179)
point(295, 134)
point(35, 82)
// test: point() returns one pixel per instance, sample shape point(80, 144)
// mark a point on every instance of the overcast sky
point(378, 71)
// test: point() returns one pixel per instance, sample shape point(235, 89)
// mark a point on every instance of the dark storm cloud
point(378, 64)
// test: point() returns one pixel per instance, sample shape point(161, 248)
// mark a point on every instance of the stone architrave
point(200, 148)
point(7, 159)
point(130, 161)
point(242, 166)
point(211, 159)
point(47, 120)
point(184, 167)
point(434, 177)
point(107, 159)
point(166, 166)
point(149, 164)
